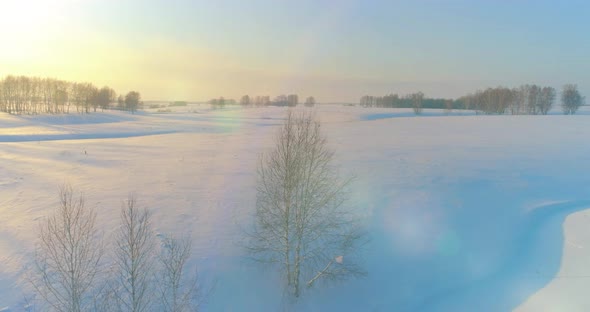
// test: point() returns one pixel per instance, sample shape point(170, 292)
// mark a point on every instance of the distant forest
point(33, 95)
point(524, 100)
point(290, 100)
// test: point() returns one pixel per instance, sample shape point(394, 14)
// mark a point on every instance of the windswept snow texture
point(465, 212)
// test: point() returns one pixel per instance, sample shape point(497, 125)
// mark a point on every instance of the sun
point(25, 19)
point(22, 16)
point(29, 30)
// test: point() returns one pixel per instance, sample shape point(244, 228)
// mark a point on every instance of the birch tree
point(178, 288)
point(416, 99)
point(571, 99)
point(302, 226)
point(68, 256)
point(135, 259)
point(547, 98)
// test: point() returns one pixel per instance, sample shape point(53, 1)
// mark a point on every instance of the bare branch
point(68, 255)
point(134, 258)
point(301, 221)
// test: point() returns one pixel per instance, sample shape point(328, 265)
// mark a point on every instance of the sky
point(335, 50)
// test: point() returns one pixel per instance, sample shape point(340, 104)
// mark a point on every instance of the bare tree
point(532, 98)
point(132, 101)
point(245, 101)
point(179, 290)
point(571, 99)
point(135, 259)
point(310, 101)
point(105, 97)
point(416, 99)
point(280, 100)
point(467, 101)
point(121, 102)
point(292, 100)
point(448, 106)
point(547, 97)
point(302, 225)
point(68, 255)
point(518, 104)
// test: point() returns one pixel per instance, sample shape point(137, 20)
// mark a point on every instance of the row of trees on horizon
point(523, 100)
point(34, 95)
point(290, 100)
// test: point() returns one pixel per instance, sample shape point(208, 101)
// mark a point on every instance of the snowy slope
point(465, 212)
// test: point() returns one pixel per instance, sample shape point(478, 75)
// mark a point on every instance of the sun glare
point(22, 20)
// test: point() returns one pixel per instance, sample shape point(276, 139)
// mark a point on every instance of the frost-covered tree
point(132, 101)
point(310, 101)
point(416, 100)
point(546, 99)
point(245, 100)
point(68, 256)
point(302, 226)
point(135, 259)
point(105, 97)
point(178, 287)
point(571, 99)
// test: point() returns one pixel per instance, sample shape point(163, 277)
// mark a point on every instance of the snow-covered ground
point(465, 213)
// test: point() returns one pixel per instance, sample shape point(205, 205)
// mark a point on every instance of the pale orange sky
point(334, 50)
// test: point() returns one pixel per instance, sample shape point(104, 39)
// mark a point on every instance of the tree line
point(523, 100)
point(416, 101)
point(34, 95)
point(290, 100)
